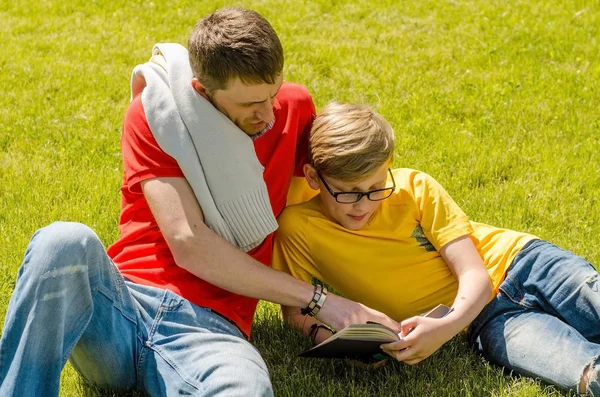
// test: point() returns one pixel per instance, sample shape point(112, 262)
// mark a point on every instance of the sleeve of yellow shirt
point(442, 219)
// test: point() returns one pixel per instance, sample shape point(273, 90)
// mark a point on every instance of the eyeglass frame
point(360, 194)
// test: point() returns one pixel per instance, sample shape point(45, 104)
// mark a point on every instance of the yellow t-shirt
point(392, 264)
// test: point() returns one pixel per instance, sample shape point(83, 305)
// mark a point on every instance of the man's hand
point(420, 338)
point(338, 313)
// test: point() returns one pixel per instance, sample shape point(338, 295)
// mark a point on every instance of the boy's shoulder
point(407, 172)
point(408, 178)
point(298, 214)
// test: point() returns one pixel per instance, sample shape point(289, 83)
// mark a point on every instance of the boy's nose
point(364, 201)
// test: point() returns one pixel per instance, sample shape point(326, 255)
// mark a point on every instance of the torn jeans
point(545, 320)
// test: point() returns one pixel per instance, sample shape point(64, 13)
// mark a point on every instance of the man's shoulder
point(293, 93)
point(135, 111)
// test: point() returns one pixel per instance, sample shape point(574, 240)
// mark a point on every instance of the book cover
point(361, 341)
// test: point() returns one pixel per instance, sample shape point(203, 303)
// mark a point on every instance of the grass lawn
point(498, 100)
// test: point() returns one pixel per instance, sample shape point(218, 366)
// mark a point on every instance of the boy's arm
point(422, 336)
point(208, 256)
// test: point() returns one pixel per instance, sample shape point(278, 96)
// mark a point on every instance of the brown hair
point(234, 42)
point(349, 141)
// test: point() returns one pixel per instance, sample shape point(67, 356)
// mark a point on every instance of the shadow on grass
point(87, 390)
point(455, 370)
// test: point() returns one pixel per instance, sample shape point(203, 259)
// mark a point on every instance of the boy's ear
point(199, 88)
point(311, 176)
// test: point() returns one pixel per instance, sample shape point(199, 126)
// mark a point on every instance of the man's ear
point(199, 88)
point(311, 176)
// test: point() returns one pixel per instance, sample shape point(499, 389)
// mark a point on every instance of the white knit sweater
point(216, 157)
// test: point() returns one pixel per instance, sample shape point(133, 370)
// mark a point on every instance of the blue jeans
point(71, 302)
point(545, 320)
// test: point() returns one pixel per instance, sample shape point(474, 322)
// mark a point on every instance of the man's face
point(249, 106)
point(356, 215)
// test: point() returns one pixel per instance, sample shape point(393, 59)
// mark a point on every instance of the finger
point(398, 355)
point(405, 355)
point(397, 345)
point(408, 325)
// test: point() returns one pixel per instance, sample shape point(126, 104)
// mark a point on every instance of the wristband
point(317, 301)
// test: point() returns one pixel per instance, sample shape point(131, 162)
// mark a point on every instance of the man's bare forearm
point(213, 259)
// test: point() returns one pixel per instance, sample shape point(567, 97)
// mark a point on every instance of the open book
point(361, 341)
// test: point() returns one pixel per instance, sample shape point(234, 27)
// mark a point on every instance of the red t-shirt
point(141, 252)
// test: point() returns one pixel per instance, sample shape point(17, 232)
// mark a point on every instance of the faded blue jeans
point(545, 321)
point(71, 302)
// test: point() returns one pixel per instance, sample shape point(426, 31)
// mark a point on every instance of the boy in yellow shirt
point(394, 240)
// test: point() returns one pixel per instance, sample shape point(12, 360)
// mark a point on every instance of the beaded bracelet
point(317, 301)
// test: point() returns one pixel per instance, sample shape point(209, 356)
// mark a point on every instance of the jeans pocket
point(512, 289)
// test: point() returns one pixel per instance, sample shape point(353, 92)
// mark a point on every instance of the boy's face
point(351, 216)
point(249, 106)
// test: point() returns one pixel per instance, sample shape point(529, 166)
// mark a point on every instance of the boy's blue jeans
point(70, 301)
point(545, 321)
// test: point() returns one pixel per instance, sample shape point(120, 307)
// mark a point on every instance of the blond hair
point(234, 42)
point(349, 141)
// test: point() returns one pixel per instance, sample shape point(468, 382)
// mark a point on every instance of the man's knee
point(70, 238)
point(61, 247)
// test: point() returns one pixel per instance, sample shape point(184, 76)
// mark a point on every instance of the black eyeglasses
point(354, 197)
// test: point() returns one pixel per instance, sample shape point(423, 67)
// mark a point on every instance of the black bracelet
point(314, 330)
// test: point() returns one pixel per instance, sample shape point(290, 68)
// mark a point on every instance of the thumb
point(408, 325)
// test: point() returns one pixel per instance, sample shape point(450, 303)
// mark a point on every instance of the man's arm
point(205, 254)
point(422, 336)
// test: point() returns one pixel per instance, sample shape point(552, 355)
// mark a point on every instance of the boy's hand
point(420, 338)
point(338, 313)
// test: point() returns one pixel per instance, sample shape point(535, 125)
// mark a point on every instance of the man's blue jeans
point(70, 301)
point(545, 321)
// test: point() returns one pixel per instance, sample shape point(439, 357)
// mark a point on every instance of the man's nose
point(265, 113)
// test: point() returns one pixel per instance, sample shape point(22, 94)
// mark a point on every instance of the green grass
point(498, 100)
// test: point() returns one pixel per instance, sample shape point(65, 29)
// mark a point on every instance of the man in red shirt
point(175, 318)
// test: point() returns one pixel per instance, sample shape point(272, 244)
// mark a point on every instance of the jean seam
point(76, 341)
point(176, 367)
point(118, 307)
point(140, 362)
point(148, 345)
point(146, 342)
point(120, 285)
